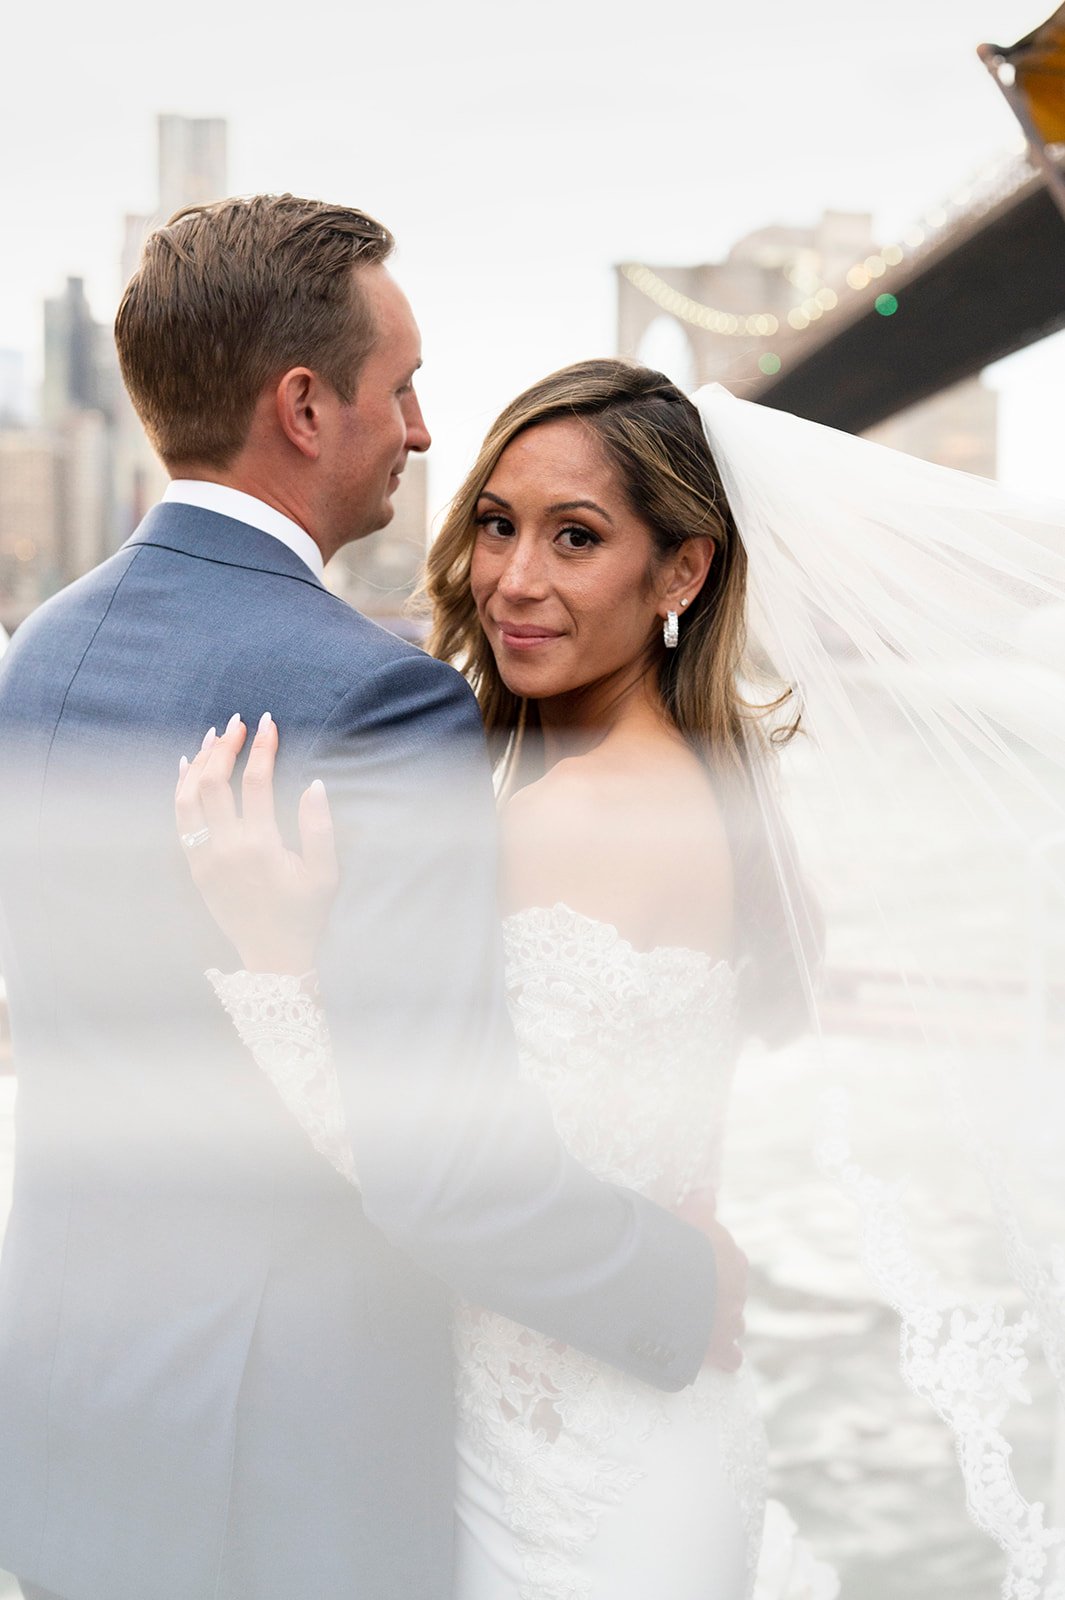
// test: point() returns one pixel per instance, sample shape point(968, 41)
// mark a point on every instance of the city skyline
point(515, 179)
point(77, 473)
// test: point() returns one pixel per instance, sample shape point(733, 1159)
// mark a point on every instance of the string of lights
point(686, 309)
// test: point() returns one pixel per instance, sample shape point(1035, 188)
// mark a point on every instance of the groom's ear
point(298, 399)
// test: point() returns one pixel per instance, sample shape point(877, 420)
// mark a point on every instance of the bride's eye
point(578, 539)
point(494, 523)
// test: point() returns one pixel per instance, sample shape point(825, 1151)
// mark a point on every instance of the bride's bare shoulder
point(640, 845)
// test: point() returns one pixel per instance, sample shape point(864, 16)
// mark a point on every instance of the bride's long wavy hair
point(653, 436)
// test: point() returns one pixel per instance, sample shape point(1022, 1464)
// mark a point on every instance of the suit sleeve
point(458, 1160)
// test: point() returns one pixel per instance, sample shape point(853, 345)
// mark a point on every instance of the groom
point(223, 1374)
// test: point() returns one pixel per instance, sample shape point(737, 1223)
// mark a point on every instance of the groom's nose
point(418, 435)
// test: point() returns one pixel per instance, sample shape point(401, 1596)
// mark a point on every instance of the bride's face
point(563, 570)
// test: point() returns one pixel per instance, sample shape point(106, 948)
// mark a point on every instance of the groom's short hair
point(229, 296)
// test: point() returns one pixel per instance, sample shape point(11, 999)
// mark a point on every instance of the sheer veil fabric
point(918, 615)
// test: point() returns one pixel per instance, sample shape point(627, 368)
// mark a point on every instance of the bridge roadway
point(989, 285)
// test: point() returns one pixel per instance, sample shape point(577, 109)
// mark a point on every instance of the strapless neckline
point(560, 917)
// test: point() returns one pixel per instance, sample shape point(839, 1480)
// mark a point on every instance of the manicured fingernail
point(265, 721)
point(233, 724)
point(209, 738)
point(318, 788)
point(183, 766)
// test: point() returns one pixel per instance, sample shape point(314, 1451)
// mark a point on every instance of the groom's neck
point(282, 497)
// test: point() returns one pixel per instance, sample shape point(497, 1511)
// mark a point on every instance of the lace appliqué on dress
point(280, 1020)
point(634, 1051)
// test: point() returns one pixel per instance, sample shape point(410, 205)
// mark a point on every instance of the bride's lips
point(525, 636)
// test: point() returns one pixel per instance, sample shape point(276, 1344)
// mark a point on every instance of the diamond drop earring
point(670, 630)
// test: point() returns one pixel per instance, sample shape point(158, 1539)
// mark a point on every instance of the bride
point(592, 583)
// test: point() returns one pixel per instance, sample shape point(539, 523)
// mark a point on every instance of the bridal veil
point(918, 615)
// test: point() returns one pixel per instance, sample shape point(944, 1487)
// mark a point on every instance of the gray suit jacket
point(224, 1373)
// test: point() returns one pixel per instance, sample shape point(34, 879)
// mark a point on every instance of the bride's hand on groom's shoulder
point(700, 1210)
point(272, 903)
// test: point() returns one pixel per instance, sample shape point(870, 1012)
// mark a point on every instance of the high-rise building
point(192, 161)
point(704, 324)
point(78, 408)
point(86, 513)
point(191, 168)
point(30, 497)
point(136, 226)
point(72, 356)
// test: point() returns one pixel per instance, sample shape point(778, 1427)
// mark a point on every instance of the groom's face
point(383, 422)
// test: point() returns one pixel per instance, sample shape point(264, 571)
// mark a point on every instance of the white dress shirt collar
point(246, 508)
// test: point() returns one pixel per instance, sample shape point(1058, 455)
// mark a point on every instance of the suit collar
point(244, 507)
point(210, 536)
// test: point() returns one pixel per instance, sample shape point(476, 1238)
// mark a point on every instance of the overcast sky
point(517, 152)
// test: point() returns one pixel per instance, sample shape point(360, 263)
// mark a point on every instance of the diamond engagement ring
point(191, 840)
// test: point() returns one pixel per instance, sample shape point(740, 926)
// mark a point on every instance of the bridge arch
point(666, 346)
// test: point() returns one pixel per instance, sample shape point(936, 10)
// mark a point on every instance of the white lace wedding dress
point(577, 1482)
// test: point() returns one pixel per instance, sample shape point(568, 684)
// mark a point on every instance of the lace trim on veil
point(965, 1360)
